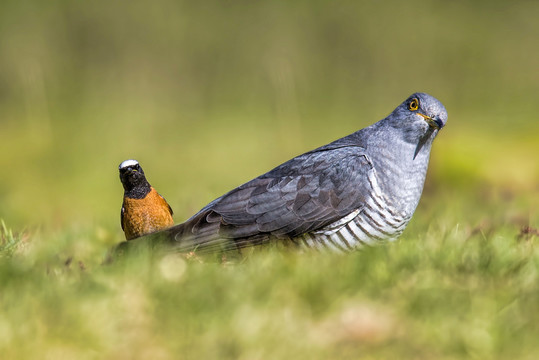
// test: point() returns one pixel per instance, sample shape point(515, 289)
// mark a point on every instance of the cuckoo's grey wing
point(302, 195)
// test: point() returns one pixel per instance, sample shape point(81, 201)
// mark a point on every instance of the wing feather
point(301, 195)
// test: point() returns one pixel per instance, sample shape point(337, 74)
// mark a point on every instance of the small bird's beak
point(433, 123)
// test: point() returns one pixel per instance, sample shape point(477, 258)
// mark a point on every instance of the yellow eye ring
point(413, 105)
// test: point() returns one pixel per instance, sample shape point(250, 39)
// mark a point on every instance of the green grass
point(445, 290)
point(8, 242)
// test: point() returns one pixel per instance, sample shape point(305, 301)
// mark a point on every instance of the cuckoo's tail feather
point(180, 239)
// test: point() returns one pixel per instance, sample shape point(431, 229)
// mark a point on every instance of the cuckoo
point(358, 190)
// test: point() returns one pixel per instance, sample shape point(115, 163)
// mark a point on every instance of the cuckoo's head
point(418, 116)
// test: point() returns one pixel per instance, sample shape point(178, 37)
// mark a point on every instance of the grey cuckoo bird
point(357, 190)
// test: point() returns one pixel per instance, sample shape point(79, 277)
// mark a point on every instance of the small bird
point(144, 211)
point(355, 191)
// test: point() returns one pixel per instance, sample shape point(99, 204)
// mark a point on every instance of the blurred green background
point(209, 94)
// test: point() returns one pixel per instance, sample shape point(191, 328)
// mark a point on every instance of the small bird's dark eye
point(413, 105)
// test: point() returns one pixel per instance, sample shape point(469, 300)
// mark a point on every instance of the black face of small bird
point(133, 179)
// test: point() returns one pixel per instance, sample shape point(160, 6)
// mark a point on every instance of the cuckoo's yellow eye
point(413, 105)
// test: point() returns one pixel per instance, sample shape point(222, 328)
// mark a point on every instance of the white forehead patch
point(127, 163)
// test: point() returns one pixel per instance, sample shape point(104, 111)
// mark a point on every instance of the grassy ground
point(445, 290)
point(207, 95)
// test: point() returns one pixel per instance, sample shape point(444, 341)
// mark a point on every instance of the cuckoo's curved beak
point(433, 122)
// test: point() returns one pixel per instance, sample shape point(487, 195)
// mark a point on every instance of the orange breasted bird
point(144, 211)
